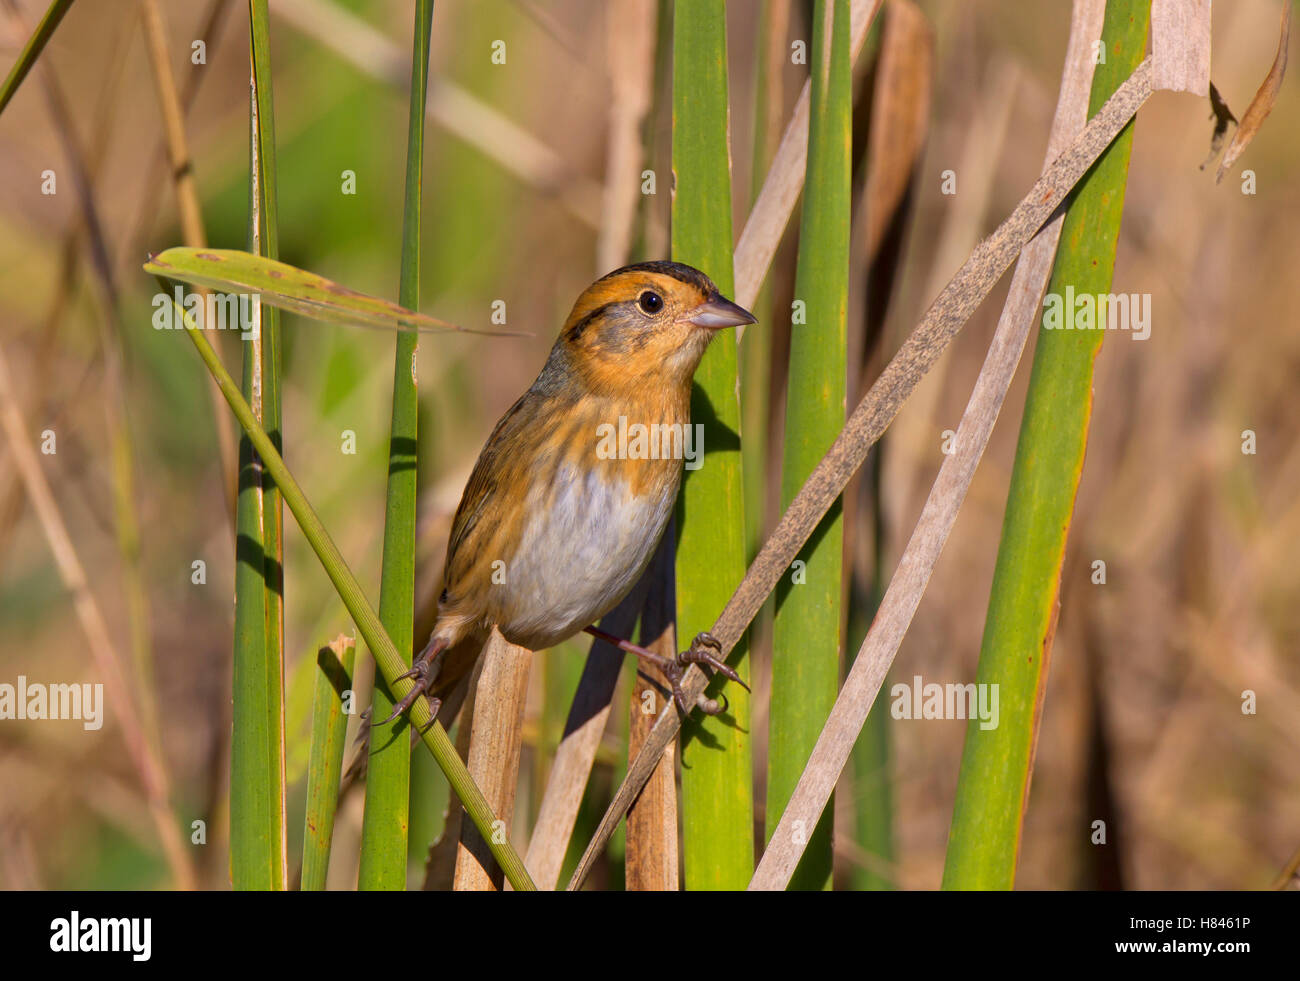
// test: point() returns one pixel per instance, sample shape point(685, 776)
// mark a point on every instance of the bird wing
point(481, 492)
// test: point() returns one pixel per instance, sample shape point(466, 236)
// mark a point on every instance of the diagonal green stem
point(372, 631)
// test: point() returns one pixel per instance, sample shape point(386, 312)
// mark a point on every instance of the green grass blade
point(387, 659)
point(717, 781)
point(252, 821)
point(388, 780)
point(273, 518)
point(260, 40)
point(252, 799)
point(258, 858)
point(997, 763)
point(806, 648)
point(329, 726)
point(32, 50)
point(281, 285)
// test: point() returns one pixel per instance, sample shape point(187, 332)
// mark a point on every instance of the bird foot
point(699, 653)
point(674, 668)
point(425, 673)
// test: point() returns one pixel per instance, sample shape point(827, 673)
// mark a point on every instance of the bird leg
point(425, 673)
point(674, 668)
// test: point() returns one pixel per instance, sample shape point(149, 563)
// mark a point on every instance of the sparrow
point(558, 520)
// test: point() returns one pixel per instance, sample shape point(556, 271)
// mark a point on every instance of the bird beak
point(720, 312)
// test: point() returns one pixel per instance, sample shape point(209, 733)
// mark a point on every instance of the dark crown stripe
point(676, 270)
point(581, 325)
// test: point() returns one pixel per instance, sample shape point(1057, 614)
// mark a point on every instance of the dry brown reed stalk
point(146, 212)
point(172, 108)
point(496, 737)
point(440, 866)
point(574, 757)
point(1180, 46)
point(651, 860)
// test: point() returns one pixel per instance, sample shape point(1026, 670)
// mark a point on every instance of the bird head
point(647, 322)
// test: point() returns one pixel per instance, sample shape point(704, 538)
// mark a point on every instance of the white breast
point(579, 554)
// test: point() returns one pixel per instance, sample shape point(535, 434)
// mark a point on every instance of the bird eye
point(650, 301)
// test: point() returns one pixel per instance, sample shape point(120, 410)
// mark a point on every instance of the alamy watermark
point(1099, 311)
point(35, 701)
point(75, 933)
point(951, 701)
point(215, 311)
point(656, 441)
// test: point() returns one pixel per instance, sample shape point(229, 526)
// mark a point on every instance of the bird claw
point(424, 675)
point(697, 654)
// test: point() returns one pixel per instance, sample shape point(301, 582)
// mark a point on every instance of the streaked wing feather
point(482, 486)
